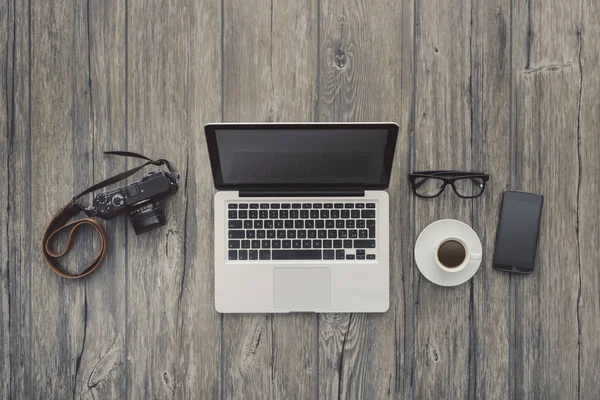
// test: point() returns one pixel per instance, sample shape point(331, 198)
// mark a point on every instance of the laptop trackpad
point(301, 289)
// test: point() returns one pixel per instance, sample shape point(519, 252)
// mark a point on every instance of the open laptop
point(301, 216)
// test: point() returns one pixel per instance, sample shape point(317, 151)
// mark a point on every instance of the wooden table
point(510, 87)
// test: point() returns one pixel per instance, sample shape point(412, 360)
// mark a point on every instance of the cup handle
point(476, 256)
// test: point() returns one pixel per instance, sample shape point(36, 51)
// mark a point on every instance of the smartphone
point(518, 231)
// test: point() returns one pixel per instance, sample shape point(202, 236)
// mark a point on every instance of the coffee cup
point(452, 254)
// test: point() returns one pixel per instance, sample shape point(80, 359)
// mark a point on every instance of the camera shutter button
point(118, 200)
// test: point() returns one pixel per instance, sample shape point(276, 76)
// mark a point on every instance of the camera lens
point(147, 216)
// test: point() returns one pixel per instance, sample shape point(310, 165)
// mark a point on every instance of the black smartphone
point(518, 231)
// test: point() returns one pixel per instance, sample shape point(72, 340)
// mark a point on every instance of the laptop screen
point(303, 155)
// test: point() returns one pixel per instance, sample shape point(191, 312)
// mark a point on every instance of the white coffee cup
point(468, 254)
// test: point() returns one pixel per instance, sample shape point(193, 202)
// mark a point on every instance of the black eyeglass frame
point(443, 176)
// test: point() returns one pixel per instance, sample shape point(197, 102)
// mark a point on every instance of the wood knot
point(436, 50)
point(340, 59)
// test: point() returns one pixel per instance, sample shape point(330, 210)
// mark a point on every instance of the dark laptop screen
point(302, 156)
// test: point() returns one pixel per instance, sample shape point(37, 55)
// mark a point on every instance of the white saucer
point(425, 251)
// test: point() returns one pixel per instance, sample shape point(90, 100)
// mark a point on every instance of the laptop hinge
point(302, 193)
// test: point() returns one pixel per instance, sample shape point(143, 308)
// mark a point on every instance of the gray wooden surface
point(510, 87)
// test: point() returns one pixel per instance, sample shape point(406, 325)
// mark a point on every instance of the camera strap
point(59, 221)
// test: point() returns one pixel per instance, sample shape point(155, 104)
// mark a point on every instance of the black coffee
point(451, 253)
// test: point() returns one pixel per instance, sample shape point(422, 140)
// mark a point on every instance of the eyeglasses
point(429, 184)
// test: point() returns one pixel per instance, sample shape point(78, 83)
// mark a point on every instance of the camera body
point(142, 200)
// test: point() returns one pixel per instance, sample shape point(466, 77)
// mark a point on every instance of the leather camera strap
point(59, 221)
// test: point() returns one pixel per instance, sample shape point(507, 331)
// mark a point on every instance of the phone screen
point(517, 236)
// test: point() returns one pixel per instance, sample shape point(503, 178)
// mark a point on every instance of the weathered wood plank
point(366, 69)
point(62, 166)
point(546, 86)
point(270, 70)
point(173, 340)
point(101, 366)
point(15, 218)
point(588, 201)
point(443, 137)
point(490, 93)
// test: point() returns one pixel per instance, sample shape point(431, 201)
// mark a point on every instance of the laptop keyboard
point(301, 231)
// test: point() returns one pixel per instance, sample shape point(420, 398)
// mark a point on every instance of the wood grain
point(443, 137)
point(588, 202)
point(547, 88)
point(490, 92)
point(173, 62)
point(270, 69)
point(366, 75)
point(15, 217)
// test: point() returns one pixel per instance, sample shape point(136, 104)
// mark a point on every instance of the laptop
point(301, 216)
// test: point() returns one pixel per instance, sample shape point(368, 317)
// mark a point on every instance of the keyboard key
point(299, 224)
point(236, 234)
point(253, 214)
point(312, 234)
point(340, 254)
point(287, 244)
point(231, 206)
point(347, 244)
point(253, 254)
point(360, 223)
point(345, 214)
point(297, 244)
point(296, 205)
point(320, 224)
point(317, 244)
point(263, 214)
point(284, 214)
point(232, 214)
point(337, 244)
point(271, 234)
point(327, 244)
point(314, 214)
point(264, 205)
point(372, 233)
point(317, 205)
point(328, 254)
point(363, 233)
point(339, 223)
point(370, 205)
point(364, 244)
point(291, 234)
point(338, 205)
point(370, 256)
point(286, 205)
point(265, 244)
point(234, 244)
point(276, 244)
point(296, 254)
point(360, 252)
point(273, 214)
point(328, 205)
point(322, 233)
point(301, 234)
point(243, 214)
point(279, 224)
point(235, 224)
point(281, 234)
point(264, 254)
point(294, 214)
point(255, 244)
point(254, 205)
point(329, 224)
point(349, 256)
point(248, 224)
point(324, 214)
point(244, 205)
point(245, 244)
point(306, 205)
point(304, 214)
point(268, 224)
point(306, 243)
point(371, 223)
point(289, 224)
point(261, 234)
point(258, 224)
point(367, 214)
point(274, 205)
point(359, 205)
point(332, 234)
point(355, 214)
point(335, 213)
point(348, 205)
point(350, 223)
point(342, 234)
point(250, 234)
point(243, 254)
point(310, 224)
point(352, 233)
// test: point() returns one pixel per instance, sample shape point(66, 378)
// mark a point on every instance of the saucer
point(425, 251)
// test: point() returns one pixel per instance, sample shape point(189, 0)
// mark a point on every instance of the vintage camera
point(142, 200)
